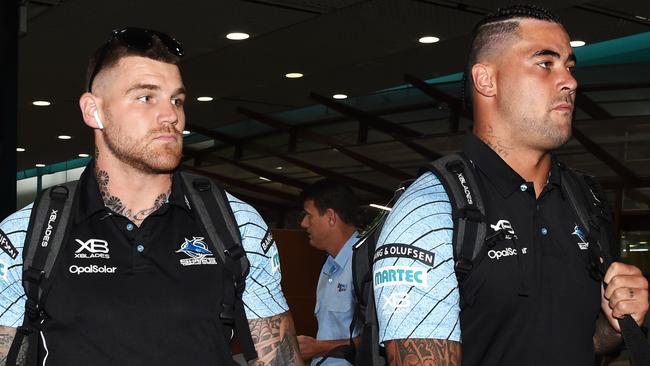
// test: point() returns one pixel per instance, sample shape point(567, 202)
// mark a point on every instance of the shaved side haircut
point(493, 33)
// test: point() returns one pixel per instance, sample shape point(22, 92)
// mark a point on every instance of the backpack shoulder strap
point(48, 225)
point(588, 201)
point(215, 214)
point(468, 211)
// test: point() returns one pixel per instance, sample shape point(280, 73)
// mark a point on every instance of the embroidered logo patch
point(583, 244)
point(92, 248)
point(197, 251)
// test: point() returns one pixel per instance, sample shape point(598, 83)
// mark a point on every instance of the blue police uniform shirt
point(416, 291)
point(335, 299)
point(262, 298)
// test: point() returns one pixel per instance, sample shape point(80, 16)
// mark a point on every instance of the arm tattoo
point(422, 352)
point(6, 338)
point(115, 204)
point(275, 341)
point(606, 339)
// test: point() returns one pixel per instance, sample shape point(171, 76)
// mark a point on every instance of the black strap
point(470, 229)
point(596, 219)
point(213, 210)
point(39, 256)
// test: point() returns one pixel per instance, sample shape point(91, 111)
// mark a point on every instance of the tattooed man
point(527, 299)
point(129, 288)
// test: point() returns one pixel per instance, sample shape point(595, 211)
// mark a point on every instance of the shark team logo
point(583, 244)
point(197, 251)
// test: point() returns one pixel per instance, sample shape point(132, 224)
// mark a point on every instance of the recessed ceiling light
point(39, 165)
point(41, 103)
point(339, 96)
point(278, 168)
point(577, 43)
point(205, 99)
point(265, 179)
point(20, 149)
point(428, 39)
point(64, 137)
point(237, 36)
point(83, 155)
point(293, 75)
point(186, 132)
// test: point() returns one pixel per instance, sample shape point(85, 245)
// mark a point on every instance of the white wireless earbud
point(99, 121)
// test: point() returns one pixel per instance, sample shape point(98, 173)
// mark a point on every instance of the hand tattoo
point(115, 204)
point(426, 352)
point(275, 340)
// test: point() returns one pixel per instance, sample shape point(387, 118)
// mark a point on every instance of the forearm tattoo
point(422, 352)
point(6, 338)
point(275, 341)
point(115, 204)
point(606, 339)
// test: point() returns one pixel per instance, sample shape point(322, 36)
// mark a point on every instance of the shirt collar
point(334, 264)
point(91, 202)
point(504, 178)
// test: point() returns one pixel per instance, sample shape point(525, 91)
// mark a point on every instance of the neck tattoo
point(115, 204)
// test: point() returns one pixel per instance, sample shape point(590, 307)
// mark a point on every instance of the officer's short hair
point(495, 29)
point(328, 193)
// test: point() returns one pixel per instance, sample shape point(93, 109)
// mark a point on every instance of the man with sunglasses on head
point(135, 281)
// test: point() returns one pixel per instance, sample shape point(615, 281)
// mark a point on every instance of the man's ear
point(331, 216)
point(483, 80)
point(91, 111)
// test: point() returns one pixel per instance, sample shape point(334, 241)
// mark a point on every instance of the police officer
point(128, 287)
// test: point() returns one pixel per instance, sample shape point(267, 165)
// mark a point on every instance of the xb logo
point(95, 248)
point(397, 300)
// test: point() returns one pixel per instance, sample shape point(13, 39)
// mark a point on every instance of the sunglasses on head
point(139, 39)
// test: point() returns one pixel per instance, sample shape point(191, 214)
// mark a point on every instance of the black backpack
point(470, 238)
point(50, 223)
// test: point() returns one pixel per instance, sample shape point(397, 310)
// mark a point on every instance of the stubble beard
point(142, 154)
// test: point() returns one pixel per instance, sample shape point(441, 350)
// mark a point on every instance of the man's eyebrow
point(554, 54)
point(546, 52)
point(180, 91)
point(142, 87)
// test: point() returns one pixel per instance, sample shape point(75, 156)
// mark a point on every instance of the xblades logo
point(506, 226)
point(397, 300)
point(463, 182)
point(96, 248)
point(48, 231)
